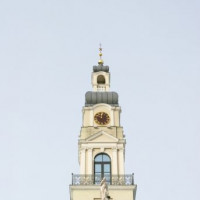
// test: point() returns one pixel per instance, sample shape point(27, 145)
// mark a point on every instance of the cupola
point(100, 75)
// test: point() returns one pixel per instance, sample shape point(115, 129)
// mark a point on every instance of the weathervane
point(100, 62)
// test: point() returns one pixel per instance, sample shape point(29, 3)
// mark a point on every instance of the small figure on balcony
point(104, 190)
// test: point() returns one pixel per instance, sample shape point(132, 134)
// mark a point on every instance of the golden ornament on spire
point(100, 62)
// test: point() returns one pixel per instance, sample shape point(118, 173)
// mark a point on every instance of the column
point(90, 163)
point(121, 161)
point(82, 163)
point(114, 162)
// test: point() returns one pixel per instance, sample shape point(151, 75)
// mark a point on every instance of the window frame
point(102, 164)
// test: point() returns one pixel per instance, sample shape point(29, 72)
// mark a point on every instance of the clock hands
point(102, 118)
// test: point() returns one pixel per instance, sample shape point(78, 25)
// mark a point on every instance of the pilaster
point(90, 164)
point(121, 161)
point(82, 163)
point(114, 161)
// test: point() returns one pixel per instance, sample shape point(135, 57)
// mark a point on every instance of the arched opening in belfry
point(102, 168)
point(101, 79)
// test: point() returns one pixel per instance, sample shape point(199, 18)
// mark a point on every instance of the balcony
point(79, 179)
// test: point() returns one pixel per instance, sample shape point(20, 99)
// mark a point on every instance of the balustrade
point(79, 179)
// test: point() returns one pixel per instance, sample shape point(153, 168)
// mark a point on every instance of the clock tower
point(101, 144)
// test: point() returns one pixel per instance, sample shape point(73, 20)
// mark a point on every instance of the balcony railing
point(79, 179)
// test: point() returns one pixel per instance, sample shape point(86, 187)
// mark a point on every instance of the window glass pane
point(106, 167)
point(98, 158)
point(97, 168)
point(97, 178)
point(107, 176)
point(106, 158)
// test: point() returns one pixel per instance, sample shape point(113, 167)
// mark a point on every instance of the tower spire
point(100, 62)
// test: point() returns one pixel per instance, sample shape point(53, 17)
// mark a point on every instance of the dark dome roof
point(100, 68)
point(92, 98)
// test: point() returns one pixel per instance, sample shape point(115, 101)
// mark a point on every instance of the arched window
point(101, 79)
point(102, 168)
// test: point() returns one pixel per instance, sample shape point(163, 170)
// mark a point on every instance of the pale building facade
point(101, 144)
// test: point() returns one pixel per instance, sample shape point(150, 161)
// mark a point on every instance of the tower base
point(92, 192)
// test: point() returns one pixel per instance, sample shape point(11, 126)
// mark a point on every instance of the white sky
point(47, 50)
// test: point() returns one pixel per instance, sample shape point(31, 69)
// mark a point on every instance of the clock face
point(102, 118)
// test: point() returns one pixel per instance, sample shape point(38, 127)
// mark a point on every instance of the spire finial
point(100, 62)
